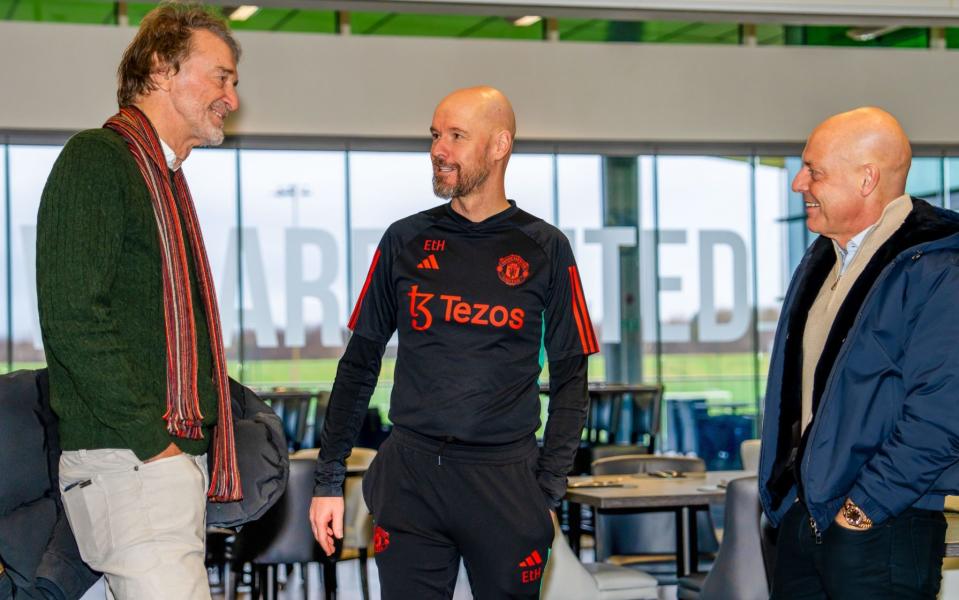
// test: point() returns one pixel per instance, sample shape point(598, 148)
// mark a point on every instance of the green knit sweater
point(100, 294)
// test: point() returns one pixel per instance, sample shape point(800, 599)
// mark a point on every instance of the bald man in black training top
point(476, 289)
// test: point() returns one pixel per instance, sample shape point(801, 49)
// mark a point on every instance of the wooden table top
point(645, 491)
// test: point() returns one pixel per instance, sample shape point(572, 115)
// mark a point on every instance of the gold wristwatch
point(854, 515)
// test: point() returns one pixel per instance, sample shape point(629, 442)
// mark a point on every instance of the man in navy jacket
point(861, 432)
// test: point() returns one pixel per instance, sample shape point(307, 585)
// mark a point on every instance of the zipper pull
point(815, 530)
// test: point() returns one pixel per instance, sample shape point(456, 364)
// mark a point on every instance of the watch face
point(853, 515)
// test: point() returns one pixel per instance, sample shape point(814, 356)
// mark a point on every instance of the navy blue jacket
point(885, 428)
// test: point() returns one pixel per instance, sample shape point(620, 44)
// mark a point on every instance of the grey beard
point(464, 187)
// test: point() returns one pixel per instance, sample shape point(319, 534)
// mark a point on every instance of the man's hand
point(326, 518)
point(171, 450)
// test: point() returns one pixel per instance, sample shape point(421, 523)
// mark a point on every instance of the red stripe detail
point(580, 313)
point(536, 557)
point(366, 286)
point(594, 344)
point(433, 262)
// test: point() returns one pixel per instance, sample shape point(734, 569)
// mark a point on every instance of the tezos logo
point(456, 310)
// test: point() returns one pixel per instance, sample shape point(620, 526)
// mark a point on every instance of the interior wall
point(62, 77)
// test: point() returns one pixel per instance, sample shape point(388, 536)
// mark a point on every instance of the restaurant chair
point(636, 412)
point(608, 450)
point(648, 539)
point(749, 453)
point(734, 575)
point(293, 409)
point(282, 536)
point(357, 520)
point(768, 535)
point(566, 578)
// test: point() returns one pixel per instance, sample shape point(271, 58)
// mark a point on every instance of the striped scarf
point(183, 416)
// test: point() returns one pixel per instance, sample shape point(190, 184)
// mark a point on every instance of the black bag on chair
point(36, 544)
point(262, 456)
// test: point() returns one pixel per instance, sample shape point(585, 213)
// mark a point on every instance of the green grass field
point(725, 380)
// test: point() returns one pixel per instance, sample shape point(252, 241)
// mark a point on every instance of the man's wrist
point(327, 491)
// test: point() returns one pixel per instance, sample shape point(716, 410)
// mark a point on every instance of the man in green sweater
point(129, 317)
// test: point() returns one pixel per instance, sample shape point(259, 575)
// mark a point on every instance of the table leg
point(575, 526)
point(683, 534)
point(692, 546)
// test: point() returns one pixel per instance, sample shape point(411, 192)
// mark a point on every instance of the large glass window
point(705, 301)
point(211, 175)
point(4, 257)
point(771, 251)
point(29, 168)
point(925, 180)
point(579, 187)
point(529, 181)
point(951, 185)
point(293, 266)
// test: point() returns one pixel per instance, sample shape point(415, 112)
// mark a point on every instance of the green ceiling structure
point(480, 26)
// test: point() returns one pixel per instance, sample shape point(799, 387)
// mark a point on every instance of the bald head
point(869, 135)
point(485, 106)
point(854, 164)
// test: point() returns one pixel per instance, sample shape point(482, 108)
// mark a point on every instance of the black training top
point(473, 303)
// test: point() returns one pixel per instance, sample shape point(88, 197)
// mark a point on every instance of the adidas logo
point(532, 560)
point(531, 572)
point(429, 263)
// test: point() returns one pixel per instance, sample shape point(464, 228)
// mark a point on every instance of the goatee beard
point(466, 184)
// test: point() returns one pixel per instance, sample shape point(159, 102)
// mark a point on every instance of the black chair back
point(293, 409)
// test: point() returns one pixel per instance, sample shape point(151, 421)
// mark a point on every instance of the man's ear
point(161, 73)
point(502, 144)
point(869, 179)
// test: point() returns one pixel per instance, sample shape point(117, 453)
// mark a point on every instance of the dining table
point(682, 494)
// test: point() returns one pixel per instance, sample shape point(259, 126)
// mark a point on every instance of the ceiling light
point(242, 13)
point(867, 34)
point(527, 21)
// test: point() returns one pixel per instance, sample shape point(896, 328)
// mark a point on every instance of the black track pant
point(434, 502)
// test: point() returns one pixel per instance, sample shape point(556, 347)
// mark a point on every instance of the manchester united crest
point(512, 270)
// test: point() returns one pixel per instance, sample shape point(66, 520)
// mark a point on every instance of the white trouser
point(142, 525)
